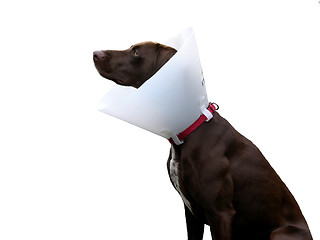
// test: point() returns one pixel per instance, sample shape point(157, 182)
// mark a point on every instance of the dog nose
point(98, 55)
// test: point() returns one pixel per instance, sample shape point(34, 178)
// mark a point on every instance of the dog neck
point(205, 117)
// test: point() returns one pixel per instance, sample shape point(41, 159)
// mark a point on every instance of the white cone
point(171, 100)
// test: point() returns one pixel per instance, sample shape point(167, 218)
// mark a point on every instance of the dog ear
point(163, 55)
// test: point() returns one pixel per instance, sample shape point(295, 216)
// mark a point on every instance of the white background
point(68, 171)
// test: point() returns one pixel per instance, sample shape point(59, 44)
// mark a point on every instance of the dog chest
point(174, 169)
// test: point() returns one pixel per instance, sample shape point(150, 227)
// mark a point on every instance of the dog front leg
point(220, 214)
point(195, 228)
point(221, 226)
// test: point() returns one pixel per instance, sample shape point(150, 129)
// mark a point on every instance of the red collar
point(206, 116)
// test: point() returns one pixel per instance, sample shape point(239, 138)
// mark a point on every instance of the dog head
point(134, 66)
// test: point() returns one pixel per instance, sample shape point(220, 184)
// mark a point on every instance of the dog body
point(225, 182)
point(222, 177)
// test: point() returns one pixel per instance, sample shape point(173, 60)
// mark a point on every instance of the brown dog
point(222, 177)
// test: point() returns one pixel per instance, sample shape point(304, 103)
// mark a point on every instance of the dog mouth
point(104, 69)
point(107, 75)
point(118, 81)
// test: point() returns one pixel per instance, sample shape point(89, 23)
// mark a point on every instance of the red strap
point(195, 125)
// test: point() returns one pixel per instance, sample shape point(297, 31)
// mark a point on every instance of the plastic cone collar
point(171, 100)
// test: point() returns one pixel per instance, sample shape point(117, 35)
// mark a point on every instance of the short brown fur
point(228, 182)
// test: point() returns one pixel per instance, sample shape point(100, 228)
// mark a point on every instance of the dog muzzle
point(170, 101)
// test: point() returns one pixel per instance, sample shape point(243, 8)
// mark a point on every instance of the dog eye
point(135, 52)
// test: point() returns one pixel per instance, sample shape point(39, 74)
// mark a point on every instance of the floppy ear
point(163, 56)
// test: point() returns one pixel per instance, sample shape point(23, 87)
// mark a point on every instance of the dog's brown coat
point(225, 178)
